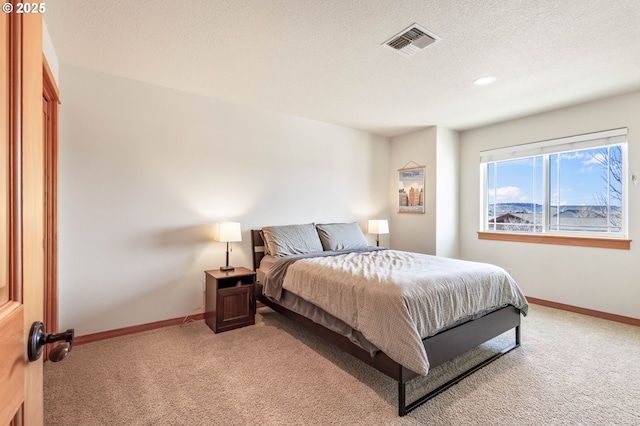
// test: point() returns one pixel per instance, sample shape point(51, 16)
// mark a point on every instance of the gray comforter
point(394, 298)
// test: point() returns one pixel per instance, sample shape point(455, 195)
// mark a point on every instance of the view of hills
point(565, 211)
point(527, 217)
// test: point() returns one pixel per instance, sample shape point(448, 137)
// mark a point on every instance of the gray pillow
point(291, 239)
point(341, 236)
point(264, 240)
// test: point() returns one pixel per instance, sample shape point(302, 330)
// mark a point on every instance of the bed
point(402, 313)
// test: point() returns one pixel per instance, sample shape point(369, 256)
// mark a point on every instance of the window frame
point(545, 149)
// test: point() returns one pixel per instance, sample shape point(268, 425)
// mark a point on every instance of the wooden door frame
point(51, 93)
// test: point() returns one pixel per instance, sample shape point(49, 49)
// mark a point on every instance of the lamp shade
point(227, 232)
point(378, 226)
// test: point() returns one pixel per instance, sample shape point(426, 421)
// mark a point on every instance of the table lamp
point(227, 232)
point(378, 227)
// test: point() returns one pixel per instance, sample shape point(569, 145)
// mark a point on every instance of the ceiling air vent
point(411, 40)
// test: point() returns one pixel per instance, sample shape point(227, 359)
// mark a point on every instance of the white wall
point(414, 232)
point(600, 279)
point(50, 52)
point(436, 231)
point(447, 192)
point(145, 171)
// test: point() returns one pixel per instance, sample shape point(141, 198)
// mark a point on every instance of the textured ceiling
point(322, 59)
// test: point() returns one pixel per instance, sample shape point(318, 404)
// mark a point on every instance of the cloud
point(573, 156)
point(598, 158)
point(508, 193)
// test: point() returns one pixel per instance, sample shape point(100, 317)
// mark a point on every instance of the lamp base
point(227, 268)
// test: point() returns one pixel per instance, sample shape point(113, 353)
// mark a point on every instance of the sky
point(580, 180)
point(411, 177)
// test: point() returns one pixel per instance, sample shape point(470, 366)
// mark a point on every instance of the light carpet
point(570, 370)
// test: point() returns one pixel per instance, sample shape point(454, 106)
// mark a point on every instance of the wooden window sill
point(614, 243)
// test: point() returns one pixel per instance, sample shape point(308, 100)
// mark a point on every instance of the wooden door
point(21, 215)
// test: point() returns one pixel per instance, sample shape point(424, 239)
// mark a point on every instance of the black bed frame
point(440, 348)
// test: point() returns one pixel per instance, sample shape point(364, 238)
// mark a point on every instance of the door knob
point(38, 338)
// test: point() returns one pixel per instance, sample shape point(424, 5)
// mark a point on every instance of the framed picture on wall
point(411, 190)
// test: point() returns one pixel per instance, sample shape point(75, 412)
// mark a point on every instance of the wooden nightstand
point(229, 300)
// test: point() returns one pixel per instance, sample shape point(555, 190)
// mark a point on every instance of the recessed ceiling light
point(483, 81)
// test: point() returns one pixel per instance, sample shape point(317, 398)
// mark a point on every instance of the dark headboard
point(257, 245)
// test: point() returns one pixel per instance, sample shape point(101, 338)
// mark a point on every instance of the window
point(568, 186)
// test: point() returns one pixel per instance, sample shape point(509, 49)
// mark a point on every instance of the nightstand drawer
point(235, 307)
point(229, 299)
